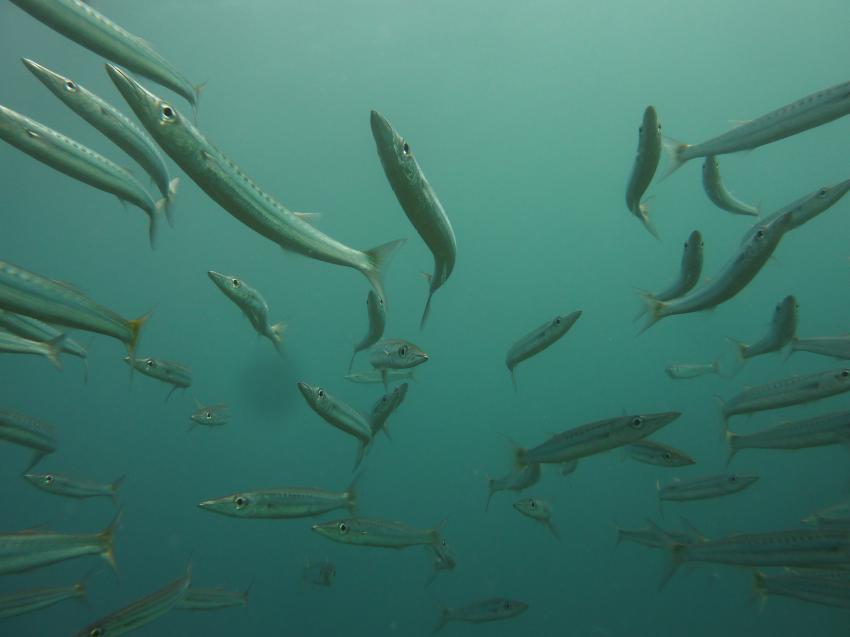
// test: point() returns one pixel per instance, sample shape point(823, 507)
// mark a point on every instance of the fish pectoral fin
point(309, 217)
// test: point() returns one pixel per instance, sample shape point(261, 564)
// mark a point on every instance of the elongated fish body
point(73, 487)
point(75, 160)
point(375, 532)
point(36, 330)
point(517, 480)
point(717, 193)
point(14, 344)
point(28, 550)
point(734, 277)
point(834, 346)
point(142, 611)
point(112, 123)
point(538, 510)
point(658, 454)
point(418, 200)
point(645, 165)
point(834, 516)
point(374, 377)
point(377, 322)
point(595, 437)
point(228, 186)
point(685, 371)
point(826, 429)
point(282, 503)
point(817, 590)
point(539, 339)
point(341, 415)
point(705, 488)
point(651, 538)
point(211, 415)
point(783, 327)
point(690, 271)
point(175, 374)
point(252, 304)
point(80, 22)
point(488, 610)
point(27, 432)
point(29, 601)
point(211, 599)
point(795, 390)
point(384, 408)
point(54, 302)
point(809, 112)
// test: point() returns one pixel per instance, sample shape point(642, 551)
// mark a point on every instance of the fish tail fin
point(642, 310)
point(643, 211)
point(654, 310)
point(276, 334)
point(246, 593)
point(378, 258)
point(116, 484)
point(490, 483)
point(168, 202)
point(430, 280)
point(136, 326)
point(106, 537)
point(351, 493)
point(792, 347)
point(673, 550)
point(54, 348)
point(674, 149)
point(154, 217)
point(729, 437)
point(513, 379)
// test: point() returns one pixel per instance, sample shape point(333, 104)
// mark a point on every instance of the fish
point(376, 532)
point(704, 488)
point(539, 510)
point(517, 480)
point(318, 574)
point(651, 538)
point(212, 599)
point(394, 354)
point(210, 415)
point(80, 22)
point(340, 415)
point(680, 371)
point(14, 344)
point(783, 327)
point(375, 377)
point(27, 432)
point(645, 164)
point(79, 162)
point(443, 559)
point(384, 408)
point(24, 602)
point(717, 193)
point(113, 124)
point(734, 277)
point(817, 431)
point(142, 611)
point(377, 322)
point(252, 304)
point(419, 202)
point(834, 516)
point(795, 390)
point(226, 184)
point(834, 346)
point(809, 112)
point(175, 374)
point(655, 453)
point(538, 340)
point(593, 438)
point(689, 272)
point(488, 610)
point(73, 488)
point(51, 301)
point(36, 330)
point(814, 589)
point(283, 502)
point(28, 550)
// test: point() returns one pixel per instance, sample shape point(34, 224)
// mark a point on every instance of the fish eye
point(405, 149)
point(236, 283)
point(733, 478)
point(822, 193)
point(667, 455)
point(343, 528)
point(402, 351)
point(321, 393)
point(96, 632)
point(760, 234)
point(167, 113)
point(149, 363)
point(70, 86)
point(506, 605)
point(380, 301)
point(686, 245)
point(240, 501)
point(845, 373)
point(640, 129)
point(48, 479)
point(208, 415)
point(532, 504)
point(637, 422)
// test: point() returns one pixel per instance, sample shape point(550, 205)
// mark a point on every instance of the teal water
point(524, 117)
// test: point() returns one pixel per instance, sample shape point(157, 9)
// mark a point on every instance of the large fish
point(175, 374)
point(14, 344)
point(645, 165)
point(28, 601)
point(536, 341)
point(783, 327)
point(538, 510)
point(419, 202)
point(36, 330)
point(341, 415)
point(73, 487)
point(27, 432)
point(212, 599)
point(704, 488)
point(233, 190)
point(834, 346)
point(817, 431)
point(377, 322)
point(516, 480)
point(488, 610)
point(252, 304)
point(283, 503)
point(717, 192)
point(375, 532)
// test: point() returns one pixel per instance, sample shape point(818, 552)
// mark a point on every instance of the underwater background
point(524, 118)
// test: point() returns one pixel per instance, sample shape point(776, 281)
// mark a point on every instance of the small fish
point(340, 415)
point(783, 327)
point(679, 371)
point(72, 488)
point(717, 192)
point(27, 432)
point(443, 559)
point(252, 304)
point(36, 330)
point(318, 574)
point(395, 354)
point(14, 344)
point(284, 502)
point(419, 202)
point(704, 488)
point(489, 610)
point(210, 415)
point(650, 537)
point(536, 341)
point(385, 407)
point(689, 272)
point(834, 346)
point(28, 601)
point(169, 372)
point(55, 302)
point(142, 611)
point(809, 112)
point(375, 377)
point(815, 589)
point(834, 516)
point(375, 532)
point(827, 429)
point(645, 165)
point(517, 480)
point(377, 322)
point(657, 454)
point(539, 510)
point(212, 599)
point(27, 550)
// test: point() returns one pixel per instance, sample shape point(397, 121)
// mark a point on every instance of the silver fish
point(14, 344)
point(74, 488)
point(834, 516)
point(318, 574)
point(210, 415)
point(175, 374)
point(834, 346)
point(385, 407)
point(815, 589)
point(679, 371)
point(28, 601)
point(827, 429)
point(645, 165)
point(233, 190)
point(536, 341)
point(650, 537)
point(690, 271)
point(705, 488)
point(783, 327)
point(419, 202)
point(374, 377)
point(377, 322)
point(517, 480)
point(212, 599)
point(252, 304)
point(395, 353)
point(27, 432)
point(36, 330)
point(717, 192)
point(340, 415)
point(80, 162)
point(375, 532)
point(539, 510)
point(488, 610)
point(656, 453)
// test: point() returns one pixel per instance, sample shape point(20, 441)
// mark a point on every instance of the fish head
point(692, 254)
point(154, 112)
point(395, 153)
point(237, 505)
point(840, 379)
point(826, 196)
point(41, 480)
point(232, 286)
point(336, 530)
point(58, 84)
point(675, 458)
point(738, 481)
point(650, 124)
point(315, 396)
point(507, 607)
point(532, 507)
point(11, 123)
point(375, 304)
point(205, 416)
point(785, 312)
point(398, 354)
point(562, 323)
point(637, 426)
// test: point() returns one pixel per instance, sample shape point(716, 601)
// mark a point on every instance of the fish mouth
point(382, 130)
point(306, 390)
point(206, 504)
point(134, 93)
point(39, 70)
point(218, 278)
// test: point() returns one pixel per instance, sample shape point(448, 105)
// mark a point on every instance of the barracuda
point(536, 341)
point(717, 193)
point(645, 165)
